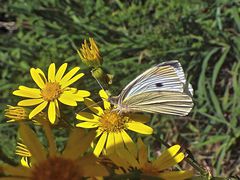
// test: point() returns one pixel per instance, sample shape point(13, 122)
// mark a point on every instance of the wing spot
point(159, 84)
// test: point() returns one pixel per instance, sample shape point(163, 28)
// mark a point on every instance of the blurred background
point(204, 35)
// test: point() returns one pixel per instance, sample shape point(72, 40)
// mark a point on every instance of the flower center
point(112, 121)
point(51, 91)
point(56, 168)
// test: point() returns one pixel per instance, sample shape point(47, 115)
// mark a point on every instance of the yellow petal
point(31, 141)
point(51, 72)
point(73, 148)
point(20, 153)
point(100, 145)
point(28, 92)
point(106, 104)
point(87, 125)
point(142, 152)
point(118, 161)
point(83, 93)
point(176, 175)
point(67, 99)
point(139, 127)
point(16, 171)
point(105, 97)
point(103, 94)
point(37, 78)
point(69, 75)
point(77, 95)
point(99, 132)
point(167, 154)
point(85, 116)
point(119, 144)
point(93, 106)
point(60, 72)
point(122, 152)
point(52, 112)
point(71, 81)
point(33, 90)
point(89, 167)
point(171, 162)
point(110, 148)
point(129, 143)
point(52, 148)
point(38, 109)
point(132, 161)
point(21, 150)
point(75, 134)
point(30, 102)
point(41, 73)
point(57, 108)
point(24, 162)
point(139, 117)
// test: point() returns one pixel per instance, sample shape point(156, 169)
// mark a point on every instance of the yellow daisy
point(55, 88)
point(90, 55)
point(111, 126)
point(24, 153)
point(51, 164)
point(159, 167)
point(16, 113)
point(19, 114)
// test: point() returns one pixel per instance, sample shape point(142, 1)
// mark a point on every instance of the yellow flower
point(16, 113)
point(111, 126)
point(90, 55)
point(51, 164)
point(158, 167)
point(22, 150)
point(55, 88)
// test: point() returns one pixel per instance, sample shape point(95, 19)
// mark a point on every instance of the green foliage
point(134, 35)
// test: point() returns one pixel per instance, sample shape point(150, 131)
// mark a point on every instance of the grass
point(134, 35)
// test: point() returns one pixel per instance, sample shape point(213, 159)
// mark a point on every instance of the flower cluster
point(50, 164)
point(99, 133)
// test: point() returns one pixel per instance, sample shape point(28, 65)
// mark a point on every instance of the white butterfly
point(160, 89)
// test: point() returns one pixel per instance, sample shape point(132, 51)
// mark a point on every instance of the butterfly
point(160, 89)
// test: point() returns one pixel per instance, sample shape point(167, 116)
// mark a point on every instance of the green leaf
point(219, 64)
point(202, 91)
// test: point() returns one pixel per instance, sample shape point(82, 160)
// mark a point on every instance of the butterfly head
point(119, 106)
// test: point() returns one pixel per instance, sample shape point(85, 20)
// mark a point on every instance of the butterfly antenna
point(97, 103)
point(103, 86)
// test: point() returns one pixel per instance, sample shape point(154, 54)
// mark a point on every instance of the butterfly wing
point(165, 102)
point(160, 89)
point(163, 77)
